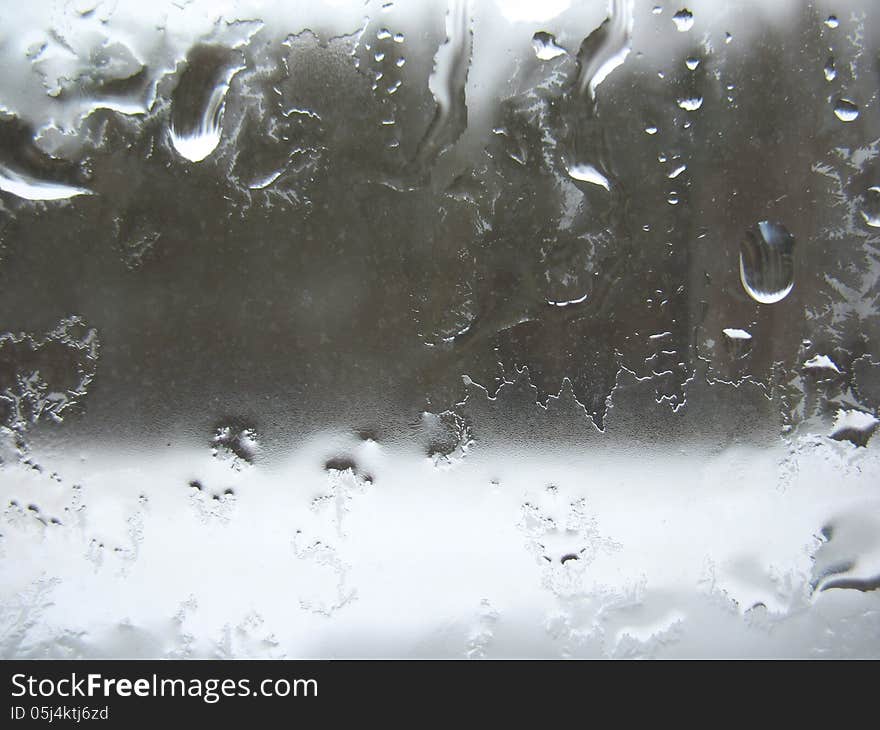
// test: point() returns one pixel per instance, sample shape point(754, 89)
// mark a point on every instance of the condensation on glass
point(475, 328)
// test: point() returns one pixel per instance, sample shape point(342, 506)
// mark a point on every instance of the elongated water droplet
point(766, 262)
point(448, 83)
point(684, 20)
point(846, 110)
point(30, 188)
point(198, 101)
point(26, 171)
point(588, 173)
point(545, 46)
point(871, 207)
point(605, 48)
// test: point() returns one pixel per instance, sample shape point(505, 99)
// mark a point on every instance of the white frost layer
point(511, 552)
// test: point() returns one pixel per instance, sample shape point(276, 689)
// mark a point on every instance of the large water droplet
point(198, 101)
point(766, 262)
point(684, 20)
point(846, 110)
point(691, 103)
point(871, 207)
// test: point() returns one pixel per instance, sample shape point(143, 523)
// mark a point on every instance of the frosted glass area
point(466, 328)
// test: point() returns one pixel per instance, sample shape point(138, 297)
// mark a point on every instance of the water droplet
point(738, 342)
point(766, 262)
point(728, 37)
point(692, 62)
point(588, 173)
point(656, 10)
point(383, 34)
point(235, 440)
point(545, 46)
point(398, 37)
point(832, 21)
point(379, 56)
point(856, 427)
point(684, 20)
point(400, 61)
point(846, 110)
point(651, 129)
point(820, 363)
point(871, 208)
point(830, 71)
point(691, 103)
point(673, 198)
point(733, 333)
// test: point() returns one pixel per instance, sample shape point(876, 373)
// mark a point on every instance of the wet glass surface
point(478, 328)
